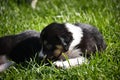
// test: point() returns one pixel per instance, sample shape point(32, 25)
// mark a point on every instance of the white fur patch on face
point(70, 62)
point(77, 34)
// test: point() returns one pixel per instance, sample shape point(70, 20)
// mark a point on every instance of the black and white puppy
point(70, 41)
point(56, 42)
point(18, 48)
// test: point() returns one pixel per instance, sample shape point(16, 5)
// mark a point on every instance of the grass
point(104, 14)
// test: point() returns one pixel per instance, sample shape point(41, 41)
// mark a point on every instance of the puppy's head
point(55, 39)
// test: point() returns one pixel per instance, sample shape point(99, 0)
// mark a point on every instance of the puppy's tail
point(6, 65)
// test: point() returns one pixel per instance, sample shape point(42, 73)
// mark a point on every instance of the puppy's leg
point(4, 63)
point(70, 62)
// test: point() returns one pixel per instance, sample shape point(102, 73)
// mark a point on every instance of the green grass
point(104, 14)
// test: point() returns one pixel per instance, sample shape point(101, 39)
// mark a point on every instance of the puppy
point(18, 48)
point(70, 41)
point(57, 42)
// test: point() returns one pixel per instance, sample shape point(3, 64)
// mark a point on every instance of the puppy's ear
point(64, 44)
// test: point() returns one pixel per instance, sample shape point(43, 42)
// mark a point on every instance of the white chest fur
point(77, 34)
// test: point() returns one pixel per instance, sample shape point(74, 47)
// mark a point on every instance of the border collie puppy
point(70, 41)
point(18, 48)
point(57, 42)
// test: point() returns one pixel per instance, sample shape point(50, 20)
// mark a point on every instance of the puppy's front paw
point(59, 64)
point(70, 62)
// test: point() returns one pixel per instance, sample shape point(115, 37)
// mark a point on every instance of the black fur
point(20, 47)
point(92, 40)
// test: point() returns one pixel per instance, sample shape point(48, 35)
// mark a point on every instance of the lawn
point(104, 14)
